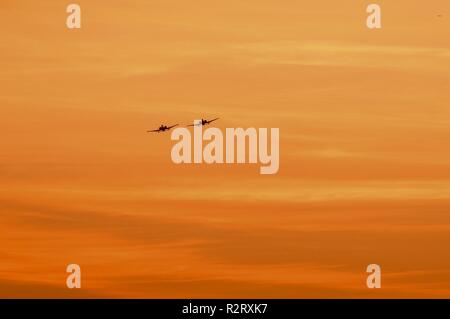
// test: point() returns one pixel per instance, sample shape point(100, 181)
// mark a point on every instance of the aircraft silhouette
point(204, 122)
point(162, 128)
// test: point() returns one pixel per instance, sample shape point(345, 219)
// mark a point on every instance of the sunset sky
point(364, 119)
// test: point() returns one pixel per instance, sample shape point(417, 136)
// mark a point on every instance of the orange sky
point(364, 169)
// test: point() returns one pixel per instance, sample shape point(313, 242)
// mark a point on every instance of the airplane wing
point(152, 131)
point(172, 126)
point(213, 120)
